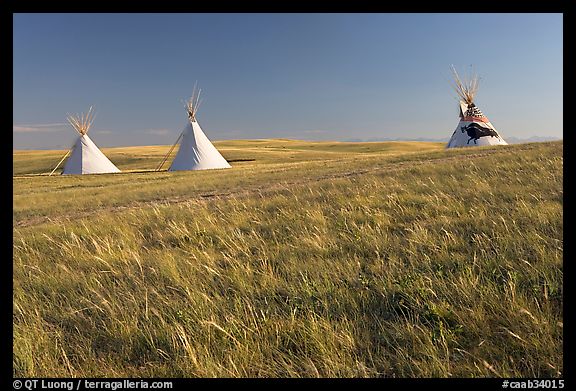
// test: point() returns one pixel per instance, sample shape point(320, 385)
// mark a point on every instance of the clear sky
point(301, 76)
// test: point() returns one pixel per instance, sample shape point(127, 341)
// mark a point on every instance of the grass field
point(303, 260)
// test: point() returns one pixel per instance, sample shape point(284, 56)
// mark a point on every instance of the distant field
point(255, 163)
point(241, 152)
point(306, 259)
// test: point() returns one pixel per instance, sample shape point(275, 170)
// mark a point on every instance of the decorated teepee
point(474, 129)
point(195, 152)
point(85, 157)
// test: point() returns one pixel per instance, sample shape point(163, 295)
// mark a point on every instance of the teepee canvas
point(195, 152)
point(85, 157)
point(474, 128)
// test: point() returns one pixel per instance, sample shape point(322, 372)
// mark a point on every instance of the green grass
point(349, 259)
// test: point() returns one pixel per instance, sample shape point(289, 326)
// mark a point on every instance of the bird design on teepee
point(195, 152)
point(85, 156)
point(474, 128)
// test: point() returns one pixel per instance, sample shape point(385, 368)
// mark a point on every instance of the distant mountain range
point(533, 139)
point(509, 140)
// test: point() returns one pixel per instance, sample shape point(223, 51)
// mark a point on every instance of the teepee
point(474, 129)
point(196, 152)
point(85, 156)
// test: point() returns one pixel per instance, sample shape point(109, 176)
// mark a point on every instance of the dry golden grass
point(409, 263)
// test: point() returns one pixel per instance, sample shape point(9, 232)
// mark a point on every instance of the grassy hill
point(305, 259)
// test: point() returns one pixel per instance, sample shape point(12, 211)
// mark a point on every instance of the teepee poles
point(474, 128)
point(168, 154)
point(85, 157)
point(60, 162)
point(193, 103)
point(465, 88)
point(82, 122)
point(192, 108)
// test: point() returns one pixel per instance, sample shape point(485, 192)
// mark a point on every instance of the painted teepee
point(474, 128)
point(195, 152)
point(85, 157)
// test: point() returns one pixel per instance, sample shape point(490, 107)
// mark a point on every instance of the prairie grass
point(380, 263)
point(238, 152)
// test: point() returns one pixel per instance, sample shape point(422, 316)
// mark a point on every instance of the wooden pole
point(169, 152)
point(61, 160)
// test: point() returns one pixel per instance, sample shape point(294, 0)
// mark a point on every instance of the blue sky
point(300, 76)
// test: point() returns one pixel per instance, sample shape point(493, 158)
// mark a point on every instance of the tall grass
point(450, 267)
point(258, 163)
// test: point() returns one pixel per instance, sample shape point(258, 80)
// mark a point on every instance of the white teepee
point(474, 129)
point(196, 152)
point(85, 156)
